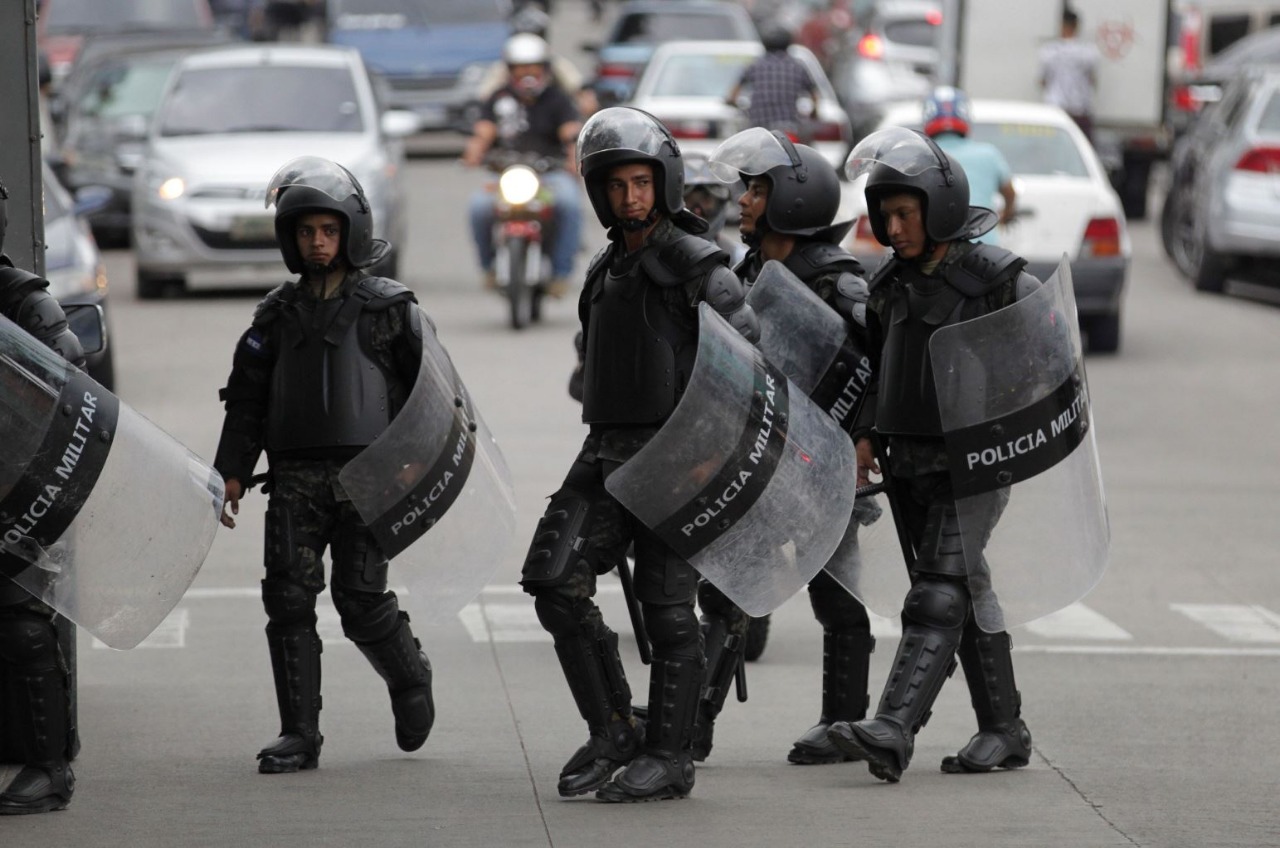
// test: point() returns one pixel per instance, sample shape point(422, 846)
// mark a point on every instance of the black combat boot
point(295, 664)
point(926, 658)
point(724, 664)
point(665, 767)
point(595, 676)
point(1002, 740)
point(401, 662)
point(46, 781)
point(846, 659)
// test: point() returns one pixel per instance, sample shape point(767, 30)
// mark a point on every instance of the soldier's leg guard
point(381, 631)
point(666, 585)
point(295, 664)
point(1002, 740)
point(933, 617)
point(724, 632)
point(847, 644)
point(28, 645)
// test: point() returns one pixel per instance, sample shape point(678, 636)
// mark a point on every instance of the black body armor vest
point(639, 355)
point(328, 391)
point(907, 402)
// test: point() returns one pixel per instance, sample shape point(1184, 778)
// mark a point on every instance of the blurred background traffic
point(162, 119)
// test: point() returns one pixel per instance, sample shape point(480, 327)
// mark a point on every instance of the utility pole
point(20, 134)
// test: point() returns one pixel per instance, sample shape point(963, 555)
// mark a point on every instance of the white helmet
point(526, 49)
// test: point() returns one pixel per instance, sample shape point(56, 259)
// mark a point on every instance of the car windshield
point(913, 32)
point(115, 91)
point(206, 101)
point(656, 28)
point(396, 14)
point(700, 75)
point(84, 15)
point(1033, 149)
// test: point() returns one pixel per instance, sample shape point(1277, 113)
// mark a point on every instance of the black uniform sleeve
point(724, 292)
point(41, 315)
point(245, 397)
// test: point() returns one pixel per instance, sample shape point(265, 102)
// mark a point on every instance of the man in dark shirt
point(775, 83)
point(530, 114)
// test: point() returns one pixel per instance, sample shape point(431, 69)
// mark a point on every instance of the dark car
point(641, 25)
point(432, 54)
point(63, 25)
point(1190, 92)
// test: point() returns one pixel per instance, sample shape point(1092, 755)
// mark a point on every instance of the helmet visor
point(620, 128)
point(753, 152)
point(317, 173)
point(903, 150)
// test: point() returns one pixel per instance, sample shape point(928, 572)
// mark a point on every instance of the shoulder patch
point(255, 343)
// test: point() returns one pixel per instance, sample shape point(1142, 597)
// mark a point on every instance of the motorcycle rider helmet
point(946, 110)
point(312, 184)
point(704, 194)
point(527, 49)
point(897, 160)
point(621, 135)
point(804, 190)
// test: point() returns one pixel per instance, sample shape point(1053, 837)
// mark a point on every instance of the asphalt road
point(1151, 703)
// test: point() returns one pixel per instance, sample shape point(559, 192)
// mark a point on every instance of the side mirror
point(89, 323)
point(398, 123)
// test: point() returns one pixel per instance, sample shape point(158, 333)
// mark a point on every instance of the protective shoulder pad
point(882, 272)
point(15, 285)
point(598, 262)
point(383, 293)
point(1026, 285)
point(269, 307)
point(851, 298)
point(983, 269)
point(811, 258)
point(681, 259)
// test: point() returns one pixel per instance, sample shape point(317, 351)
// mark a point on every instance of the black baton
point(633, 608)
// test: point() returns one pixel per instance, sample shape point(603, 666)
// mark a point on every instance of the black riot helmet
point(705, 195)
point(311, 184)
point(622, 135)
point(804, 190)
point(898, 160)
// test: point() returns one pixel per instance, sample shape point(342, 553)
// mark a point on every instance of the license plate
point(252, 228)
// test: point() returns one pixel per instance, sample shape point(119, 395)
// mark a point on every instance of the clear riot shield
point(103, 516)
point(748, 480)
point(1020, 441)
point(810, 343)
point(436, 468)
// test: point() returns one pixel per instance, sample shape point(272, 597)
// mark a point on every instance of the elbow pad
point(726, 295)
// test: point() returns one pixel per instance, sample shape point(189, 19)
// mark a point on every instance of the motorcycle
point(523, 223)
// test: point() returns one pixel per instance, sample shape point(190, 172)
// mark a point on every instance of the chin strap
point(637, 226)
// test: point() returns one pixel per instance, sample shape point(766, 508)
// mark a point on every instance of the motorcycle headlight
point(518, 185)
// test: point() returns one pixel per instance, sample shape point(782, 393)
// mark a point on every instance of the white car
point(229, 118)
point(686, 82)
point(1065, 206)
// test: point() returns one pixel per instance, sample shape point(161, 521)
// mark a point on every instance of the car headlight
point(518, 185)
point(172, 188)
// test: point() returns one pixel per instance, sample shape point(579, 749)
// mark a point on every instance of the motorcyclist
point(40, 706)
point(791, 198)
point(531, 18)
point(947, 119)
point(775, 84)
point(530, 114)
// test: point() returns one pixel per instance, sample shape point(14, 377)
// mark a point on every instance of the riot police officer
point(937, 276)
point(791, 198)
point(334, 333)
point(640, 326)
point(29, 647)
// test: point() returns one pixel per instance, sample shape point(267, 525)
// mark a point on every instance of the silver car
point(228, 119)
point(1221, 217)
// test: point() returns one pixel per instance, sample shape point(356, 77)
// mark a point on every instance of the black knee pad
point(366, 617)
point(834, 608)
point(358, 561)
point(673, 629)
point(28, 640)
point(661, 576)
point(288, 603)
point(563, 615)
point(940, 604)
point(559, 543)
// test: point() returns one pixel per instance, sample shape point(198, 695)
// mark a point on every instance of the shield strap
point(1005, 450)
point(62, 472)
point(745, 475)
point(430, 498)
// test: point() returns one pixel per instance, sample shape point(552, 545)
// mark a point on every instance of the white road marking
point(1237, 622)
point(1078, 622)
point(170, 633)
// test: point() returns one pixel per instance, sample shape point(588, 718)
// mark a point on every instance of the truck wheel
point(1211, 271)
point(1104, 333)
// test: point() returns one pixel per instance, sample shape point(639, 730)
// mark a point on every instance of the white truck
point(998, 44)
